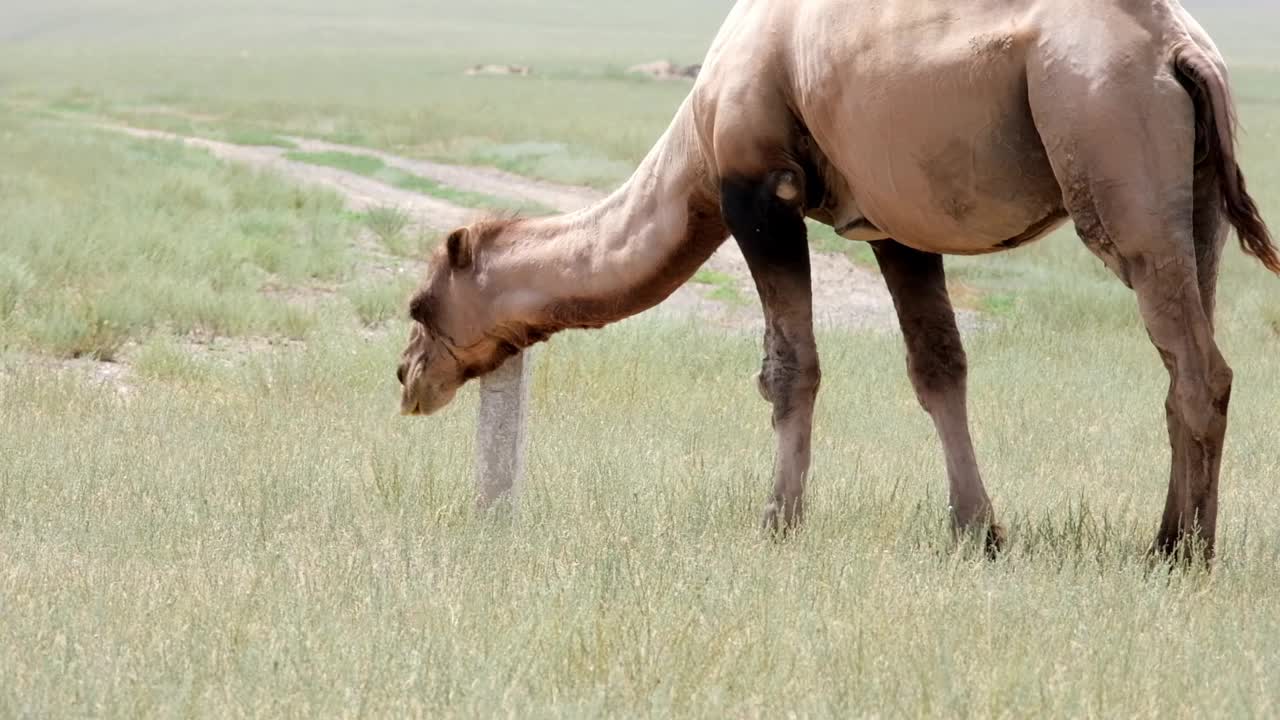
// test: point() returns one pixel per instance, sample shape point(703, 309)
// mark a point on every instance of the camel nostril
point(400, 373)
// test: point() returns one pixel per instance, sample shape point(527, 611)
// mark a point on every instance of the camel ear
point(420, 307)
point(460, 250)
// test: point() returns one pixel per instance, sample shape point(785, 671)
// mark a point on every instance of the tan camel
point(925, 128)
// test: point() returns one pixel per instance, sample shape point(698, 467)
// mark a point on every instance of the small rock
point(522, 70)
point(665, 70)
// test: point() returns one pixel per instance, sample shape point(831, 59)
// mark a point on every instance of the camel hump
point(1205, 79)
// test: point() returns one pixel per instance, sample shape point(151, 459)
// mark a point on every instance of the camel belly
point(979, 182)
point(933, 137)
point(950, 205)
point(952, 193)
point(969, 189)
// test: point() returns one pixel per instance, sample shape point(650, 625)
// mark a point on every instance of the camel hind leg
point(1124, 153)
point(1190, 456)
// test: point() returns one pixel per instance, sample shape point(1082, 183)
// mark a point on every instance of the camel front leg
point(938, 367)
point(769, 226)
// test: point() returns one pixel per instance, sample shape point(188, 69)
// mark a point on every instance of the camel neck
point(628, 252)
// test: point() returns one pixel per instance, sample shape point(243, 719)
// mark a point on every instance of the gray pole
point(501, 430)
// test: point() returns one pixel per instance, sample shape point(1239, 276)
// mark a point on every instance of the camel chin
point(419, 403)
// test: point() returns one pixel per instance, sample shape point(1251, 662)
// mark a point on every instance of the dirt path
point(487, 181)
point(361, 193)
point(845, 295)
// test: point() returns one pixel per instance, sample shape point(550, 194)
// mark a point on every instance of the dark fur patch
point(814, 184)
point(769, 231)
point(420, 307)
point(950, 172)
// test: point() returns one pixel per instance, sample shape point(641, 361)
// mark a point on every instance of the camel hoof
point(780, 521)
point(1183, 549)
point(994, 536)
point(996, 539)
point(1166, 546)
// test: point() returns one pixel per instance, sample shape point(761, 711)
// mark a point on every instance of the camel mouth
point(419, 401)
point(413, 407)
point(410, 399)
point(417, 408)
point(410, 408)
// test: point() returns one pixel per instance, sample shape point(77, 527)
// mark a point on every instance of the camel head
point(464, 325)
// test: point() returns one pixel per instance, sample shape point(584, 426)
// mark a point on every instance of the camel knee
point(1204, 402)
point(937, 368)
point(788, 379)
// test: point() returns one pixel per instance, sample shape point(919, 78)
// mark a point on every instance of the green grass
point(162, 358)
point(480, 201)
point(89, 261)
point(413, 244)
point(16, 280)
point(377, 301)
point(389, 224)
point(707, 276)
point(725, 288)
point(825, 240)
point(259, 138)
point(350, 162)
point(228, 544)
point(258, 533)
point(999, 303)
point(396, 233)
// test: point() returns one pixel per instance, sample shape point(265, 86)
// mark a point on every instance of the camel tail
point(1216, 143)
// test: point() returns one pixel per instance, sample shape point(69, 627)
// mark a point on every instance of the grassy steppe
point(265, 537)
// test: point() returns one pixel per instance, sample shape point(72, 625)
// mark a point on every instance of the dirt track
point(844, 295)
point(360, 192)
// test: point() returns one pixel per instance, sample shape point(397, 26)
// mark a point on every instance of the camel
point(926, 129)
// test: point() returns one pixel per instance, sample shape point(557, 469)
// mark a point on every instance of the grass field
point(247, 528)
point(107, 239)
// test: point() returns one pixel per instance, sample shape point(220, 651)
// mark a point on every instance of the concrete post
point(502, 429)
